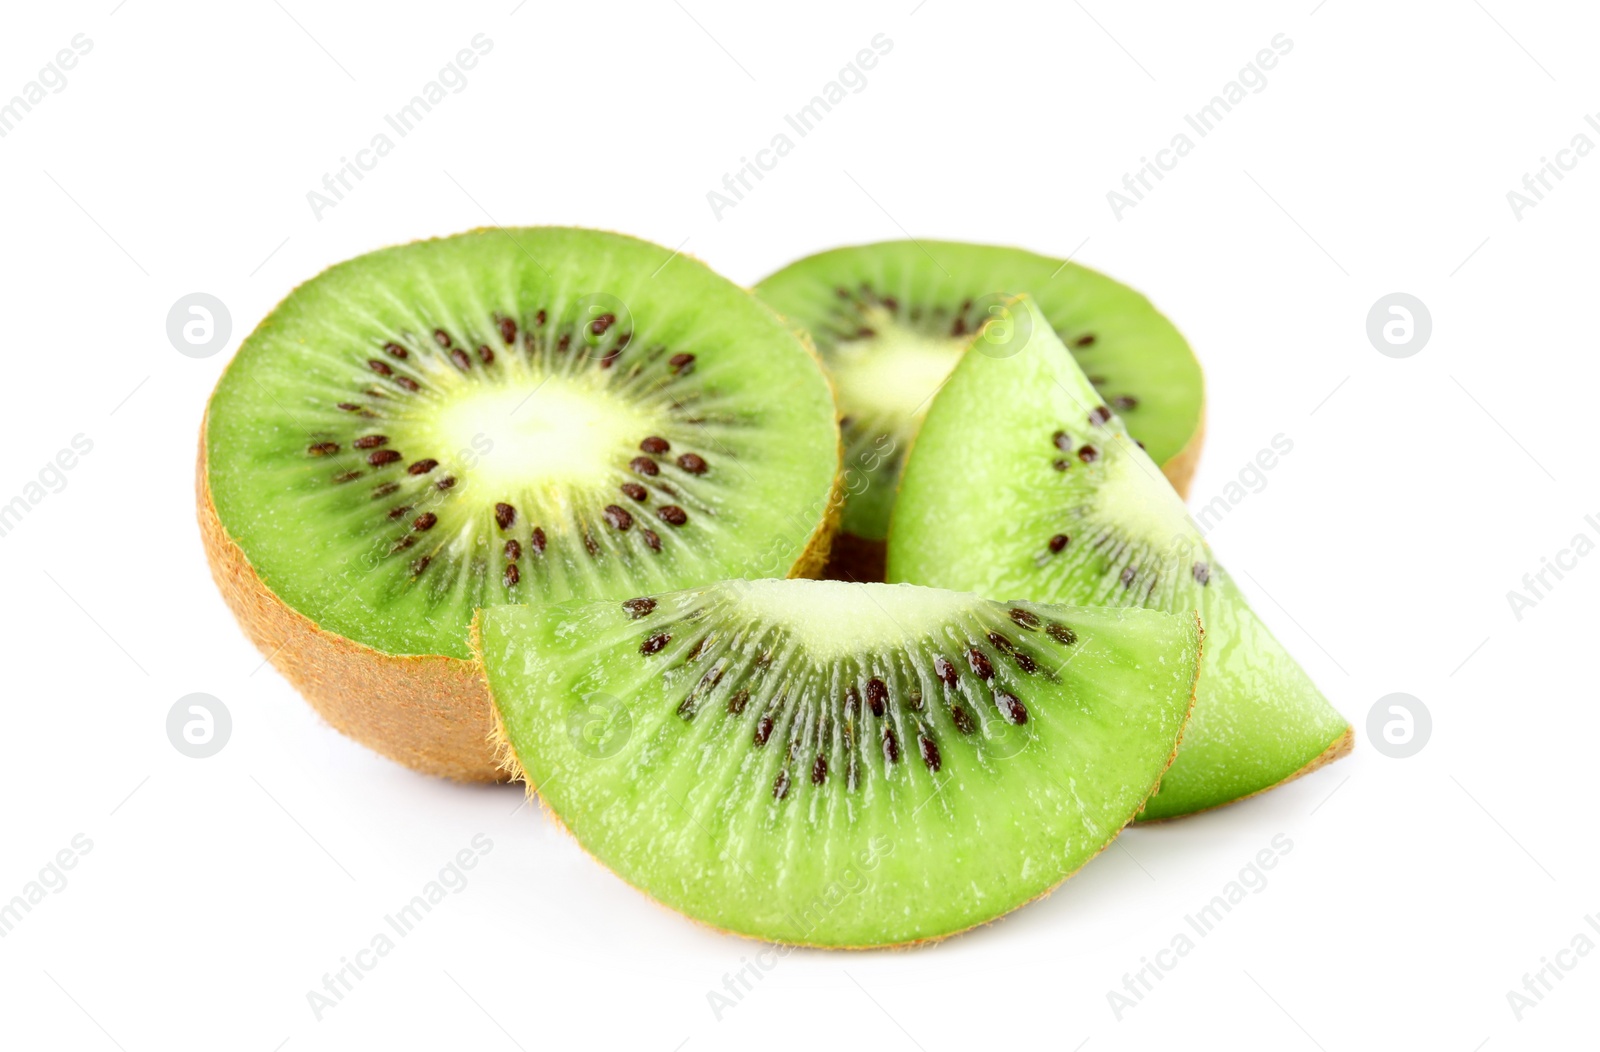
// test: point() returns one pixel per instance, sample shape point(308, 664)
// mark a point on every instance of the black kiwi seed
point(1084, 341)
point(485, 354)
point(980, 664)
point(930, 752)
point(1125, 402)
point(371, 441)
point(680, 362)
point(505, 515)
point(877, 694)
point(1011, 707)
point(349, 407)
point(780, 785)
point(384, 490)
point(406, 382)
point(891, 744)
point(693, 463)
point(512, 575)
point(819, 769)
point(654, 643)
point(424, 521)
point(441, 337)
point(619, 519)
point(634, 490)
point(394, 350)
point(636, 608)
point(655, 444)
point(1061, 634)
point(459, 356)
point(738, 701)
point(1062, 441)
point(1202, 573)
point(1060, 464)
point(421, 564)
point(672, 515)
point(381, 368)
point(508, 330)
point(403, 543)
point(445, 483)
point(399, 512)
point(347, 476)
point(962, 719)
point(564, 342)
point(381, 457)
point(539, 319)
point(322, 449)
point(1100, 414)
point(513, 551)
point(763, 730)
point(1058, 542)
point(1127, 575)
point(1024, 618)
point(644, 466)
point(422, 467)
point(1088, 454)
point(537, 540)
point(652, 540)
point(590, 545)
point(945, 671)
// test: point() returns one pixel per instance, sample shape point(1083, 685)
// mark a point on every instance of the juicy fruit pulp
point(511, 416)
point(890, 321)
point(1024, 483)
point(840, 764)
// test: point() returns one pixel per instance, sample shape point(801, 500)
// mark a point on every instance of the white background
point(1419, 491)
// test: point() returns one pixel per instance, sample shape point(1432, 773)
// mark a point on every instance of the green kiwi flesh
point(1023, 482)
point(514, 415)
point(890, 321)
point(839, 764)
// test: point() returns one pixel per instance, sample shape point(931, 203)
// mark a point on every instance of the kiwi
point(839, 764)
point(1023, 482)
point(890, 321)
point(505, 416)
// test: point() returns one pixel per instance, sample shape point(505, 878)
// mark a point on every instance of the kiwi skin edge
point(512, 770)
point(429, 712)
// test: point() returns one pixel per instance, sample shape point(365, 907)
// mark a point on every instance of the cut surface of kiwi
point(505, 416)
point(890, 321)
point(1024, 482)
point(838, 764)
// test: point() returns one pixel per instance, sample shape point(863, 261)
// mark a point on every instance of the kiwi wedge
point(838, 764)
point(890, 321)
point(504, 416)
point(1023, 482)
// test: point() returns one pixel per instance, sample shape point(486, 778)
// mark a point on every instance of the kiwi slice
point(890, 321)
point(1023, 482)
point(839, 764)
point(505, 416)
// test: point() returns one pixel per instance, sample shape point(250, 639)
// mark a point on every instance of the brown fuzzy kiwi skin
point(429, 712)
point(513, 771)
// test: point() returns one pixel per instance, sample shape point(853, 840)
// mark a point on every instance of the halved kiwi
point(839, 764)
point(503, 416)
point(1023, 482)
point(890, 321)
